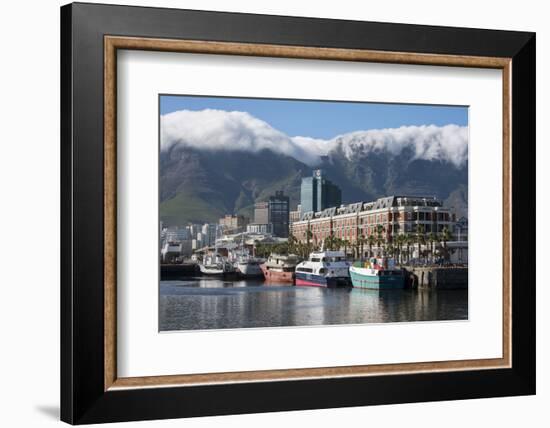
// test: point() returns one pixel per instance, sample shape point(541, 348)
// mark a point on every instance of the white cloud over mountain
point(235, 130)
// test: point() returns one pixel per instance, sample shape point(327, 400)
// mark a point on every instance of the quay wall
point(176, 271)
point(437, 277)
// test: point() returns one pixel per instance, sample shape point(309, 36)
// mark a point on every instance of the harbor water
point(208, 303)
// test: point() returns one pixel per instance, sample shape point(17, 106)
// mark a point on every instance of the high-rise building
point(279, 209)
point(175, 234)
point(261, 213)
point(318, 193)
point(233, 223)
point(275, 211)
point(208, 234)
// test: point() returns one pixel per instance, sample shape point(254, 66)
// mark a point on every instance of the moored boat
point(248, 267)
point(246, 264)
point(324, 269)
point(216, 265)
point(377, 275)
point(280, 268)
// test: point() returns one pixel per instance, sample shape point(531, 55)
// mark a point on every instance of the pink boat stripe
point(310, 283)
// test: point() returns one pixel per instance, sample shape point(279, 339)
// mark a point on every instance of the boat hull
point(360, 279)
point(217, 272)
point(272, 275)
point(312, 280)
point(249, 270)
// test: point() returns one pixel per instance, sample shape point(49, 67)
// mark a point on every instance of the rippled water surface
point(197, 304)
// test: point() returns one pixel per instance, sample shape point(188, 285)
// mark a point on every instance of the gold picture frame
point(114, 43)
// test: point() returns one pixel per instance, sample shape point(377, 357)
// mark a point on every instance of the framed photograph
point(266, 213)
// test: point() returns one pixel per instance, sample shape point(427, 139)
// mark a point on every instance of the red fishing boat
point(280, 268)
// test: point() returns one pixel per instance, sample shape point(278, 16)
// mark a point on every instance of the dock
point(178, 271)
point(436, 277)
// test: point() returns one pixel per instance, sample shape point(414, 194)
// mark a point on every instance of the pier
point(436, 277)
point(177, 271)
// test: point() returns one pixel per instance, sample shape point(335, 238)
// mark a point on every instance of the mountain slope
point(203, 185)
point(216, 183)
point(370, 175)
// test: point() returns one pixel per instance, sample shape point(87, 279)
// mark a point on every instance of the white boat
point(324, 269)
point(248, 266)
point(245, 264)
point(171, 251)
point(217, 265)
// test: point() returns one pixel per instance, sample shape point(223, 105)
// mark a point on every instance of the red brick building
point(394, 214)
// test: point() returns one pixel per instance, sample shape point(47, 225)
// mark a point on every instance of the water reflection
point(199, 304)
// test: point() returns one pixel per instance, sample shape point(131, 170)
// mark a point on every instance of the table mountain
point(203, 185)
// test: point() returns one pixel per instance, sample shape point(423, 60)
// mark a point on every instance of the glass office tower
point(318, 193)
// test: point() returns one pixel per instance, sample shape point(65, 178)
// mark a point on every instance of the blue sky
point(323, 119)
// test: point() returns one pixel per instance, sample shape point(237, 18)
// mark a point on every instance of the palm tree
point(408, 239)
point(390, 249)
point(309, 235)
point(420, 237)
point(292, 241)
point(361, 241)
point(379, 237)
point(301, 249)
point(400, 240)
point(371, 240)
point(355, 248)
point(345, 244)
point(432, 239)
point(334, 242)
point(397, 247)
point(445, 236)
point(327, 243)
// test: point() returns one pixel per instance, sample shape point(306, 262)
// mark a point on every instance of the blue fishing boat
point(375, 274)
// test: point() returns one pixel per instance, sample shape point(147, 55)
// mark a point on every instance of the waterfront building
point(195, 244)
point(389, 216)
point(249, 239)
point(193, 229)
point(260, 228)
point(233, 223)
point(279, 210)
point(318, 193)
point(208, 233)
point(295, 215)
point(186, 248)
point(261, 212)
point(274, 212)
point(175, 234)
point(461, 229)
point(458, 251)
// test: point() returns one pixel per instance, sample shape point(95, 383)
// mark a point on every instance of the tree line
point(430, 245)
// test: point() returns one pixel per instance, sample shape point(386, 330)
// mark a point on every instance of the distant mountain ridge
point(216, 130)
point(203, 185)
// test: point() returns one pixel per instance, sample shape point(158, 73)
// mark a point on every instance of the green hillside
point(199, 186)
point(187, 207)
